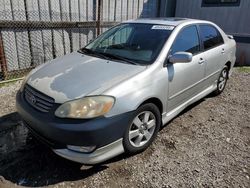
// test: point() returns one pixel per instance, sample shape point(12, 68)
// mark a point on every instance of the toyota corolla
point(113, 95)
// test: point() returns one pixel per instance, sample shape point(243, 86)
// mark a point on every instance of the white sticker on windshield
point(163, 27)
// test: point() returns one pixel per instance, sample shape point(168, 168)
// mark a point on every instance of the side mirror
point(180, 57)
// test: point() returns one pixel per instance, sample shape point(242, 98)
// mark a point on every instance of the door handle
point(201, 61)
point(223, 51)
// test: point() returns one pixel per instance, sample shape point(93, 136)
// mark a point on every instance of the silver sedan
point(113, 95)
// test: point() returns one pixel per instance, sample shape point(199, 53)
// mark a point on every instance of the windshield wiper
point(117, 57)
point(106, 55)
point(92, 52)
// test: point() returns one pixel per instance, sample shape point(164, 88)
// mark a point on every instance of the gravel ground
point(7, 95)
point(208, 145)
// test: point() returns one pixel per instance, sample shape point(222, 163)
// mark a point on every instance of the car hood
point(77, 75)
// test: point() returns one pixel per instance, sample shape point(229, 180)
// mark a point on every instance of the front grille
point(37, 99)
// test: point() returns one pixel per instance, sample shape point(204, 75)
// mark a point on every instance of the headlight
point(85, 108)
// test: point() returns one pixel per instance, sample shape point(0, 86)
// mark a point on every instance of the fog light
point(82, 149)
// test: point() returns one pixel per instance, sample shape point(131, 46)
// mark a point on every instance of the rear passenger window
point(210, 37)
point(187, 41)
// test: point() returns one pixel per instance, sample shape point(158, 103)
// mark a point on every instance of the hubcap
point(142, 129)
point(222, 80)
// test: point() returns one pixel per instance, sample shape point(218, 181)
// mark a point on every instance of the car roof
point(172, 21)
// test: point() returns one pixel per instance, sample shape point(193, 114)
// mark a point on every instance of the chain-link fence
point(36, 31)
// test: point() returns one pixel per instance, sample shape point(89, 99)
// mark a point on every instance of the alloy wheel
point(222, 80)
point(142, 129)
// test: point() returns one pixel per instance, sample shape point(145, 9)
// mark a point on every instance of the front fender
point(133, 92)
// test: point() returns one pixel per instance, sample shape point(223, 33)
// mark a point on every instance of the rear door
point(213, 51)
point(186, 79)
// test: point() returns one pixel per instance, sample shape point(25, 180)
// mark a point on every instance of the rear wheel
point(143, 129)
point(222, 80)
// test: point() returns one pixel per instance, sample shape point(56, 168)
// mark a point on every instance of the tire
point(143, 129)
point(222, 81)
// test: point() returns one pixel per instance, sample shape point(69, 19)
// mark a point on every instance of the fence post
point(3, 62)
point(159, 8)
point(29, 36)
point(98, 20)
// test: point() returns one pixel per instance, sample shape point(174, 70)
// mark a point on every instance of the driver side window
point(187, 41)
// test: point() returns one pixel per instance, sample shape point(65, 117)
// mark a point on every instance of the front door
point(186, 79)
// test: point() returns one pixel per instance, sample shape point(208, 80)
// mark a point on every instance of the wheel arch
point(228, 64)
point(157, 102)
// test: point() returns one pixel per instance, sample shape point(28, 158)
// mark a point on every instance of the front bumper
point(102, 154)
point(104, 133)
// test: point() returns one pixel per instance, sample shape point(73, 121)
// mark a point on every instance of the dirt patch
point(208, 145)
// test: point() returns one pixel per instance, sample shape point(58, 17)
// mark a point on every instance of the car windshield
point(134, 43)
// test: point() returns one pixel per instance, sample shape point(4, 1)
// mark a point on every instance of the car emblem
point(33, 99)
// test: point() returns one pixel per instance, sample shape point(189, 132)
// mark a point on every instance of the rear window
point(210, 36)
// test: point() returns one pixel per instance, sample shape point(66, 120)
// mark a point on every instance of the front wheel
point(143, 129)
point(222, 81)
